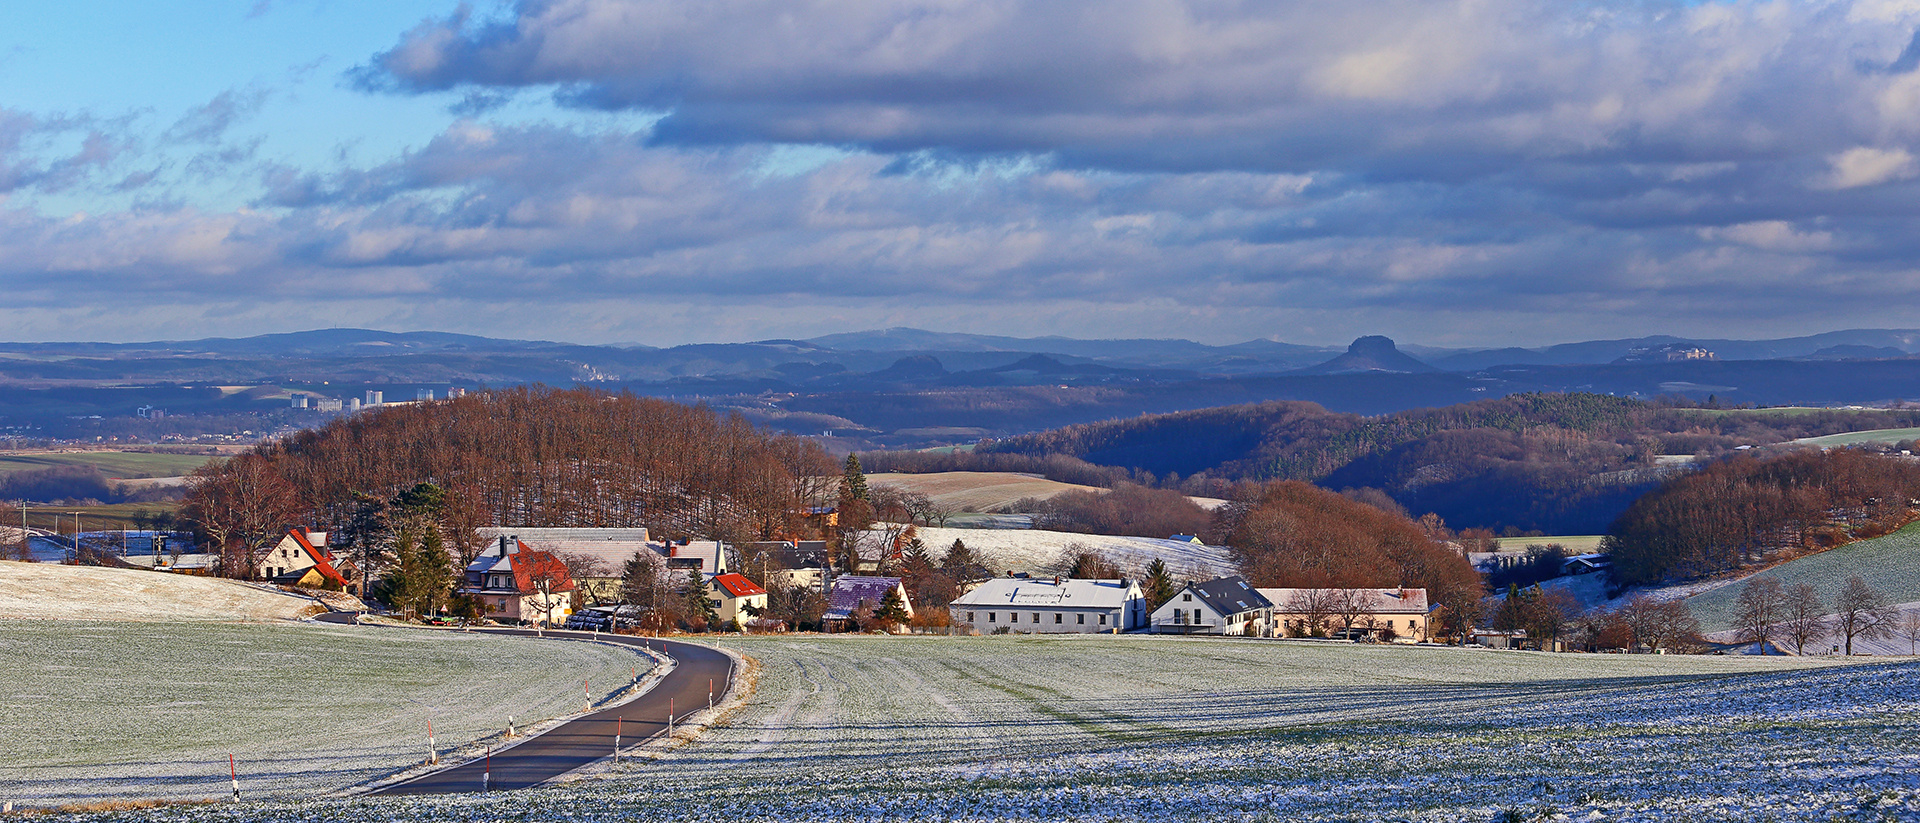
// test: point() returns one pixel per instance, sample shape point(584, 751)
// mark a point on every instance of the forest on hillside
point(1548, 462)
point(1750, 509)
point(529, 456)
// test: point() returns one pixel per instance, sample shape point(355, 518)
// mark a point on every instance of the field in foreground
point(1135, 728)
point(151, 710)
point(54, 591)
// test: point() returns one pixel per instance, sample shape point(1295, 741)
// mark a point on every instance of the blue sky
point(1447, 172)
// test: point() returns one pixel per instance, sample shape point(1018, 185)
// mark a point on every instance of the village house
point(736, 598)
point(301, 559)
point(853, 593)
point(596, 558)
point(1585, 564)
point(1051, 605)
point(1399, 614)
point(787, 563)
point(514, 583)
point(1225, 605)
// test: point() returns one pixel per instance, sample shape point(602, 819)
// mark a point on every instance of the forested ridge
point(529, 456)
point(1751, 509)
point(1557, 463)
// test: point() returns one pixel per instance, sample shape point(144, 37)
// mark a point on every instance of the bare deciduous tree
point(1907, 627)
point(1861, 611)
point(1803, 616)
point(1762, 601)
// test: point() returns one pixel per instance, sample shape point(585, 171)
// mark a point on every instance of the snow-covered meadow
point(97, 710)
point(1145, 728)
point(1031, 550)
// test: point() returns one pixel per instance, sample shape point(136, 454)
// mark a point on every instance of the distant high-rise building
point(456, 391)
point(299, 401)
point(375, 398)
point(423, 395)
point(353, 403)
point(328, 404)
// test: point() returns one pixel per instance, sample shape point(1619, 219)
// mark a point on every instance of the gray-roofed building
point(1052, 605)
point(1226, 605)
point(851, 593)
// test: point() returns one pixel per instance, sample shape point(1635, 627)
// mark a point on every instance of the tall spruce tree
point(853, 482)
point(700, 607)
point(1159, 584)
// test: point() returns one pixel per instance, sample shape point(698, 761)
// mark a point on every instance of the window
point(1013, 617)
point(1186, 598)
point(1082, 619)
point(989, 617)
point(1057, 617)
point(969, 617)
point(1179, 615)
point(1103, 620)
point(1036, 617)
point(1410, 624)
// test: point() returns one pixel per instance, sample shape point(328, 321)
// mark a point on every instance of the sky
point(1446, 172)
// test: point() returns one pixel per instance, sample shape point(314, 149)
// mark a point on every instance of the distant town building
point(456, 391)
point(299, 401)
point(330, 405)
point(375, 397)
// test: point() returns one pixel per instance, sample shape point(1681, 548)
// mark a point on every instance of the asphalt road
point(586, 739)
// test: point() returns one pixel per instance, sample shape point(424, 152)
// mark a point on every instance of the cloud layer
point(1462, 172)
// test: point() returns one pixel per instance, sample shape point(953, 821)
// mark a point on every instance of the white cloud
point(1868, 166)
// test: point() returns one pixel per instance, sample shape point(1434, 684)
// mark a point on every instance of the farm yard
point(1129, 728)
point(100, 711)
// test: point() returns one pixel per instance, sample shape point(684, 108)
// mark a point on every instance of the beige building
point(733, 595)
point(1397, 614)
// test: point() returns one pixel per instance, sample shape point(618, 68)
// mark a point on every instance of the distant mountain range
point(870, 383)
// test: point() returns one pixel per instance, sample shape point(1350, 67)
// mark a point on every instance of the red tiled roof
point(320, 562)
point(530, 565)
point(737, 585)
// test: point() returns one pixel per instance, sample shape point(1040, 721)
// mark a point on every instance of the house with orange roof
point(301, 559)
point(736, 598)
point(514, 583)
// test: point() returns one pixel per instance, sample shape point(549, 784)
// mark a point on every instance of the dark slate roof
point(850, 590)
point(1230, 595)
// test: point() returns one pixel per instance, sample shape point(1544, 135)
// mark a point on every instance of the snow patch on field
point(1031, 550)
point(52, 591)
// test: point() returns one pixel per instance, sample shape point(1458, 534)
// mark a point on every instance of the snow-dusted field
point(1029, 550)
point(53, 591)
point(1890, 564)
point(97, 710)
point(1149, 728)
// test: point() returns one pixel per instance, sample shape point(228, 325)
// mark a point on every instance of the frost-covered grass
point(53, 591)
point(1890, 563)
point(1879, 437)
point(1138, 728)
point(150, 710)
point(1030, 550)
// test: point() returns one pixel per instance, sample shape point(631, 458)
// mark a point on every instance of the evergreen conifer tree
point(1159, 584)
point(699, 604)
point(892, 610)
point(853, 483)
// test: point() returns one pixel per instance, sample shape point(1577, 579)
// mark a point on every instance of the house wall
point(1042, 620)
point(284, 557)
point(1411, 628)
point(730, 607)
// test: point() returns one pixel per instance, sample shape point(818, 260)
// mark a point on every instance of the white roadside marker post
point(233, 772)
point(617, 723)
point(509, 727)
point(486, 776)
point(669, 718)
point(587, 686)
point(709, 694)
point(433, 751)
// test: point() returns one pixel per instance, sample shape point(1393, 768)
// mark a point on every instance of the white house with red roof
point(733, 594)
point(301, 559)
point(515, 583)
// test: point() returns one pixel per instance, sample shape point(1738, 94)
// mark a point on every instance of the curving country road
point(588, 738)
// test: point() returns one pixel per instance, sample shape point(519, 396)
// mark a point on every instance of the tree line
point(529, 456)
point(1750, 508)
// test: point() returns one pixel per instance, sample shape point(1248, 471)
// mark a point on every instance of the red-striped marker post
point(486, 777)
point(709, 694)
point(233, 771)
point(433, 751)
point(669, 717)
point(617, 723)
point(587, 687)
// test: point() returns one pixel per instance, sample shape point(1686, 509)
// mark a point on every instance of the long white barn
point(1052, 606)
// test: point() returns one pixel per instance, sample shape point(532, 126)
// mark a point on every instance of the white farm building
point(1052, 606)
